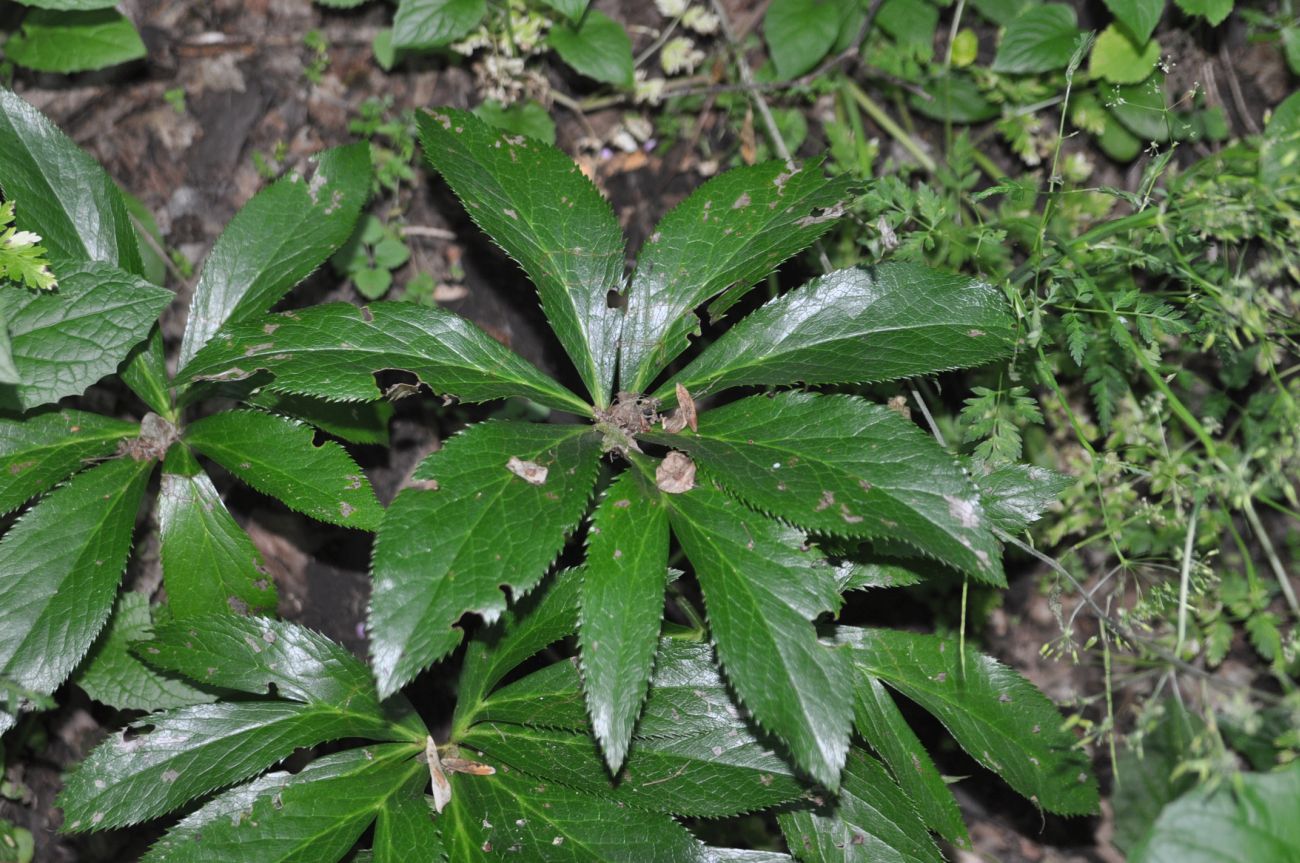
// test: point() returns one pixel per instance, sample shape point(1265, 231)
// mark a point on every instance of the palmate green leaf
point(1139, 17)
point(249, 654)
point(879, 721)
point(1118, 60)
point(41, 449)
point(871, 821)
point(1041, 39)
point(841, 465)
point(1016, 495)
point(548, 823)
point(210, 566)
point(996, 715)
point(725, 771)
point(857, 325)
point(194, 750)
point(333, 351)
point(113, 675)
point(316, 814)
point(731, 231)
point(423, 24)
point(66, 196)
point(622, 607)
point(63, 341)
point(761, 592)
point(535, 203)
point(491, 508)
point(58, 41)
point(276, 456)
point(542, 617)
point(1249, 818)
point(62, 563)
point(597, 46)
point(284, 233)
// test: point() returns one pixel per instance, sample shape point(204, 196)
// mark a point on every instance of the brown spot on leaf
point(827, 500)
point(676, 473)
point(529, 471)
point(346, 509)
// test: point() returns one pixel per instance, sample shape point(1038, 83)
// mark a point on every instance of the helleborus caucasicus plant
point(63, 558)
point(722, 452)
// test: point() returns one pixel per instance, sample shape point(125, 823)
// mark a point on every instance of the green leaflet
point(423, 24)
point(856, 325)
point(62, 562)
point(878, 720)
point(843, 466)
point(549, 698)
point(276, 456)
point(145, 372)
point(622, 607)
point(333, 351)
point(317, 814)
point(535, 203)
point(544, 616)
point(41, 449)
point(1041, 39)
point(1214, 11)
point(870, 822)
point(597, 46)
point(113, 675)
point(195, 750)
point(301, 664)
point(1016, 495)
point(284, 233)
point(9, 373)
point(405, 830)
point(63, 341)
point(1251, 818)
point(354, 422)
point(996, 715)
point(731, 231)
point(58, 41)
point(711, 774)
point(549, 823)
point(66, 196)
point(210, 566)
point(471, 525)
point(761, 592)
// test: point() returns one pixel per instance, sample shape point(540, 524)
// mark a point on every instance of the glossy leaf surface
point(622, 606)
point(731, 231)
point(280, 236)
point(857, 325)
point(42, 449)
point(997, 716)
point(333, 351)
point(535, 203)
point(62, 563)
point(470, 526)
point(66, 340)
point(841, 465)
point(277, 456)
point(762, 591)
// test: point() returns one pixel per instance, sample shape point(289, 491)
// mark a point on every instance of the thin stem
point(1185, 577)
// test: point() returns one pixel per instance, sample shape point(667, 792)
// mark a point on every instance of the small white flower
point(23, 238)
point(700, 21)
point(671, 8)
point(680, 55)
